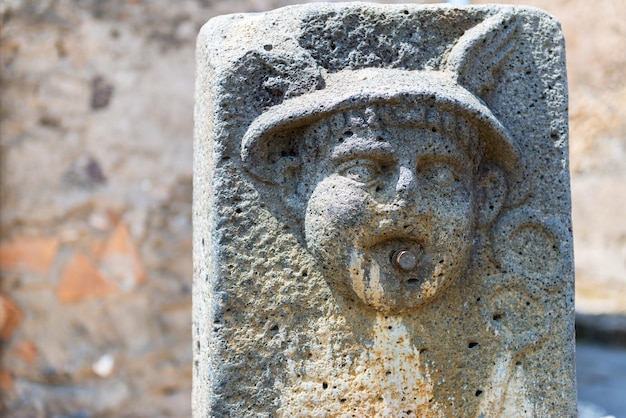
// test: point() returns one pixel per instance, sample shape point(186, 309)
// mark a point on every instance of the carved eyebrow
point(453, 159)
point(362, 147)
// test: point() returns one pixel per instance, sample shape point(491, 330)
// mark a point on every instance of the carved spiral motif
point(512, 304)
point(532, 245)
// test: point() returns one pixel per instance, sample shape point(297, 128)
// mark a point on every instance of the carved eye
point(361, 170)
point(439, 174)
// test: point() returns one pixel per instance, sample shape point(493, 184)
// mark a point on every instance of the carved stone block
point(382, 214)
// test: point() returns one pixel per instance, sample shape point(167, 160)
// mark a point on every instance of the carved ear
point(278, 165)
point(492, 191)
point(290, 189)
point(280, 159)
point(479, 53)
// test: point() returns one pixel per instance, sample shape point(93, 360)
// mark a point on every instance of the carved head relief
point(391, 173)
point(392, 212)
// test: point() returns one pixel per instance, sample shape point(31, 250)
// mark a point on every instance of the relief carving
point(384, 237)
point(392, 173)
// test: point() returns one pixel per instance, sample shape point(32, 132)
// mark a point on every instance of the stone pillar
point(382, 214)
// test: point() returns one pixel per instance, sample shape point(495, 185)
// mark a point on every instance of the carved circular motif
point(532, 245)
point(516, 312)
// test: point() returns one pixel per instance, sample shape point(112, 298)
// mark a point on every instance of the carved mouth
point(402, 258)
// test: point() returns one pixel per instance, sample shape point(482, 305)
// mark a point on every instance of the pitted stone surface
point(381, 214)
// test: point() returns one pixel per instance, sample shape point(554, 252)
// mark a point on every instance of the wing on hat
point(481, 50)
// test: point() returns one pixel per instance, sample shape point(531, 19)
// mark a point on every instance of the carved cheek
point(336, 213)
point(453, 222)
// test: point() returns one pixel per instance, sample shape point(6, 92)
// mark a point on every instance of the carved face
point(391, 216)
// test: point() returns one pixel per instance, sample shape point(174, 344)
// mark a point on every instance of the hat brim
point(352, 89)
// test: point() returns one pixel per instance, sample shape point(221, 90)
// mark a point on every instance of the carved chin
point(383, 286)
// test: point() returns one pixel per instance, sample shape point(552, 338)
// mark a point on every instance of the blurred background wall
point(96, 102)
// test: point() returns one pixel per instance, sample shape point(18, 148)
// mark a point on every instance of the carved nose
point(405, 187)
point(408, 201)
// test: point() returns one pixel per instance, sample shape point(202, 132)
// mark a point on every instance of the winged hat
point(467, 73)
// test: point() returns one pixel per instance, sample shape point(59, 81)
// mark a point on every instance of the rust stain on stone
point(401, 379)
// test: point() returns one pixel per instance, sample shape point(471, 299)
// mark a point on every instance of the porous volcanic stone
point(382, 214)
